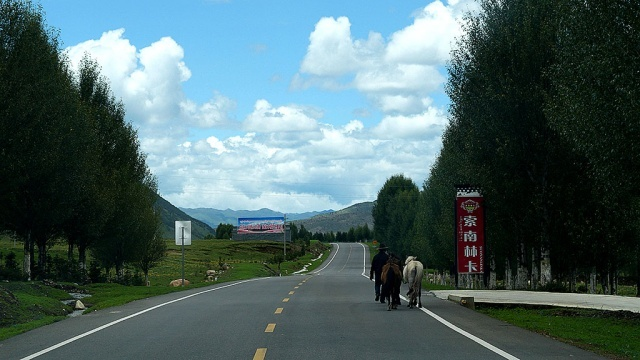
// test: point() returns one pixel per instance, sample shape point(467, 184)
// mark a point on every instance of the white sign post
point(183, 237)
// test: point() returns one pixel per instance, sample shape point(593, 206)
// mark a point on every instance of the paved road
point(327, 314)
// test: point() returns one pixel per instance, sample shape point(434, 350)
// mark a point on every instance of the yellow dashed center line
point(295, 287)
point(285, 300)
point(270, 328)
point(260, 353)
point(291, 292)
point(279, 311)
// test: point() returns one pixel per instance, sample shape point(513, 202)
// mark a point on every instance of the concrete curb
point(466, 301)
point(600, 302)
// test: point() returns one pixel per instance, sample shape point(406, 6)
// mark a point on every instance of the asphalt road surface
point(327, 314)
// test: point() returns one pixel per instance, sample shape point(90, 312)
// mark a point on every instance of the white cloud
point(353, 126)
point(149, 82)
point(213, 113)
point(217, 145)
point(428, 125)
point(400, 78)
point(115, 54)
point(267, 119)
point(283, 156)
point(331, 51)
point(395, 74)
point(428, 40)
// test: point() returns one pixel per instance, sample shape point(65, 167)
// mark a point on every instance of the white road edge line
point(333, 257)
point(68, 341)
point(496, 350)
point(364, 260)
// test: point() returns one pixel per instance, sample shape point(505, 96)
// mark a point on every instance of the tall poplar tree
point(394, 214)
point(39, 134)
point(596, 106)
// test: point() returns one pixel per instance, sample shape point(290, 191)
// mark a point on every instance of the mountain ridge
point(340, 221)
point(215, 217)
point(204, 221)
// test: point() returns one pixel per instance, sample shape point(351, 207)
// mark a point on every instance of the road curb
point(466, 301)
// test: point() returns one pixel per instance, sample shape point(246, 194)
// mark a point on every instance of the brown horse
point(391, 280)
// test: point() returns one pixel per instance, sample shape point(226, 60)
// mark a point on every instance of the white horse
point(412, 275)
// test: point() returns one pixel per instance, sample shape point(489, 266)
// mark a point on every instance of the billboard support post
point(183, 237)
point(284, 237)
point(182, 255)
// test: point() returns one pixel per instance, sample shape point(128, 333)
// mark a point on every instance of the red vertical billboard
point(470, 247)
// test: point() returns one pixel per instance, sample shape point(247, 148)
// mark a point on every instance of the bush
point(11, 269)
point(129, 278)
point(554, 286)
point(62, 269)
point(95, 273)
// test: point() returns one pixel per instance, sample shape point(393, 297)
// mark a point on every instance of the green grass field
point(614, 334)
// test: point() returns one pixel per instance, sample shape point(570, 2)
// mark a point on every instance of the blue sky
point(289, 105)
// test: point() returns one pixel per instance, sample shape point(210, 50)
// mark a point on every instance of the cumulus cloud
point(269, 119)
point(396, 74)
point(149, 81)
point(286, 156)
point(428, 40)
point(427, 125)
point(331, 51)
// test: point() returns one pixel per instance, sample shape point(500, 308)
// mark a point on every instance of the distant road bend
point(327, 314)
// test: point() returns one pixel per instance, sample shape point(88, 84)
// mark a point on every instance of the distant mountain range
point(204, 221)
point(215, 217)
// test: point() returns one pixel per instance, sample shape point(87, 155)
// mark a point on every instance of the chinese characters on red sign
point(470, 234)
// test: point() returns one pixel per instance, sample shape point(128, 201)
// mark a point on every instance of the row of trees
point(358, 234)
point(71, 168)
point(545, 119)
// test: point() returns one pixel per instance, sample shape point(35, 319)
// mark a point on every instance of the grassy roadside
point(27, 305)
point(614, 334)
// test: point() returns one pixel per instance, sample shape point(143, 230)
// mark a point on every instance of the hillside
point(215, 217)
point(169, 214)
point(342, 220)
point(205, 220)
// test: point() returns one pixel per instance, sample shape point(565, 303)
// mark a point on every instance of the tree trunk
point(70, 252)
point(593, 281)
point(508, 276)
point(492, 273)
point(535, 269)
point(26, 263)
point(638, 269)
point(522, 273)
point(605, 283)
point(42, 260)
point(119, 273)
point(82, 257)
point(545, 268)
point(614, 282)
point(32, 256)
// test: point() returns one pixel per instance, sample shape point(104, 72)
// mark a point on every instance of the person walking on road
point(379, 260)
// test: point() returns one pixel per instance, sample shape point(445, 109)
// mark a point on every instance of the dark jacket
point(376, 265)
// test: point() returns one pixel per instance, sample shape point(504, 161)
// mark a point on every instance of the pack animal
point(412, 275)
point(391, 280)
